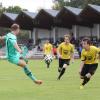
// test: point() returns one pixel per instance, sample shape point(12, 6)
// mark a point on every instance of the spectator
point(54, 50)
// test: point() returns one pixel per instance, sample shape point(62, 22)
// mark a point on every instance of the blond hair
point(67, 35)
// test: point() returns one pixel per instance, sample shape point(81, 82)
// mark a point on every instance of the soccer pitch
point(15, 85)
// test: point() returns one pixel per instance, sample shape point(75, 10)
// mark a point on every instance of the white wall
point(84, 31)
point(30, 34)
point(94, 30)
point(43, 33)
point(62, 31)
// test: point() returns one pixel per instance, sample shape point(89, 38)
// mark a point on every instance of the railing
point(33, 54)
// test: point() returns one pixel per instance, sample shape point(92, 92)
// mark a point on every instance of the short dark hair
point(86, 39)
point(14, 27)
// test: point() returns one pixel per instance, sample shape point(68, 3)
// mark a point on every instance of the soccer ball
point(48, 58)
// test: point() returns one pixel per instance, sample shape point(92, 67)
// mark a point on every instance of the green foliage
point(75, 3)
point(58, 5)
point(15, 9)
point(12, 9)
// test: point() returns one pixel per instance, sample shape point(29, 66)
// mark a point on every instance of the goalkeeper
point(14, 52)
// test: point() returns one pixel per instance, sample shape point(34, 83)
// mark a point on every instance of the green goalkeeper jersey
point(11, 52)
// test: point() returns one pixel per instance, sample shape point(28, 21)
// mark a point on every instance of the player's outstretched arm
point(2, 38)
point(98, 51)
point(72, 57)
point(59, 52)
point(81, 66)
point(99, 56)
point(72, 54)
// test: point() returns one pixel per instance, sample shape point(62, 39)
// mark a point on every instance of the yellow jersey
point(66, 50)
point(47, 48)
point(90, 57)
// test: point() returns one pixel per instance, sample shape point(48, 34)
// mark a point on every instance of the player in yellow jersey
point(48, 53)
point(65, 54)
point(89, 61)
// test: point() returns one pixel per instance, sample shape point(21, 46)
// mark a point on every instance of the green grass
point(14, 85)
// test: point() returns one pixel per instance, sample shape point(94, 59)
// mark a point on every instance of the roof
point(47, 18)
point(95, 7)
point(12, 16)
point(91, 13)
point(30, 14)
point(51, 12)
point(75, 11)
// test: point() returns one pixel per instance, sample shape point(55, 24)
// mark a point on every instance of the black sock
point(48, 64)
point(85, 81)
point(61, 73)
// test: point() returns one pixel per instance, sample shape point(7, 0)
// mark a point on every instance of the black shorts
point(89, 68)
point(63, 61)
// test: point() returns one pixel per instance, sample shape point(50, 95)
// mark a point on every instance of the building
point(53, 24)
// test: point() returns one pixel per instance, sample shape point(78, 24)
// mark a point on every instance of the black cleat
point(48, 65)
point(58, 78)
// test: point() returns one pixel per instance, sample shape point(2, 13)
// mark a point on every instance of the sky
point(31, 5)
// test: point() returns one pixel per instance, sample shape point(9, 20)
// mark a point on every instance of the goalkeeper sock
point(26, 60)
point(29, 73)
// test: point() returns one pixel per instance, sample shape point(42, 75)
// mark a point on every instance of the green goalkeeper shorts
point(14, 60)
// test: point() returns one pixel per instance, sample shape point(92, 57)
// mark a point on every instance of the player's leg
point(60, 64)
point(87, 72)
point(23, 64)
point(92, 69)
point(48, 63)
point(65, 63)
point(25, 59)
point(46, 60)
point(50, 60)
point(62, 71)
point(83, 73)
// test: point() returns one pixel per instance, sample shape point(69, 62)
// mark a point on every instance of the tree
point(15, 9)
point(84, 3)
point(58, 4)
point(74, 3)
point(11, 9)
